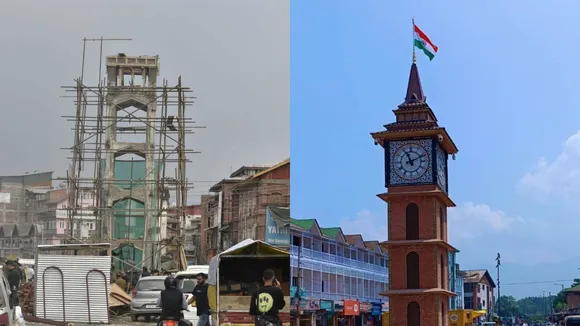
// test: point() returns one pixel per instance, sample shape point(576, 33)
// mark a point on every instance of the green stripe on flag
point(419, 44)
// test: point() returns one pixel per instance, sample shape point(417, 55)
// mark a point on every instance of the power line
point(537, 282)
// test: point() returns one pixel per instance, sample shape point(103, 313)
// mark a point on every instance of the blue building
point(456, 281)
point(332, 267)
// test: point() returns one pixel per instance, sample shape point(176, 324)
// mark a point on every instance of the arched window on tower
point(413, 314)
point(443, 276)
point(443, 313)
point(412, 221)
point(441, 223)
point(413, 271)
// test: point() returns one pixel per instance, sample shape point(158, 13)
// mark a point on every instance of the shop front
point(376, 312)
point(326, 313)
point(306, 313)
point(366, 317)
point(351, 312)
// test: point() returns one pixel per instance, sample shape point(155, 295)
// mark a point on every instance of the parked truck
point(236, 274)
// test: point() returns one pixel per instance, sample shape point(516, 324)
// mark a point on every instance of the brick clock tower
point(416, 152)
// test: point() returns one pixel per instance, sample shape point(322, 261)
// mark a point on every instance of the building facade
point(479, 291)
point(192, 230)
point(237, 207)
point(329, 267)
point(456, 277)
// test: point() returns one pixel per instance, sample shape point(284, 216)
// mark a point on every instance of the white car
point(186, 283)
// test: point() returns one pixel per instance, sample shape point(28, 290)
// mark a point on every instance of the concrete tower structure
point(416, 150)
point(131, 87)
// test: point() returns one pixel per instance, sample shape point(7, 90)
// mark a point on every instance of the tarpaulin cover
point(246, 247)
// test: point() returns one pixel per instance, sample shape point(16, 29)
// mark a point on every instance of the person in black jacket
point(14, 280)
point(172, 302)
point(267, 301)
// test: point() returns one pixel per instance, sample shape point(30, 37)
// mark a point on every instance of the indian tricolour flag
point(423, 42)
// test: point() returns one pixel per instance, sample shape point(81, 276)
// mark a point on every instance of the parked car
point(186, 282)
point(145, 294)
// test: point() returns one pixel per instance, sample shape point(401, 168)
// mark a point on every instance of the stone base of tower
point(433, 310)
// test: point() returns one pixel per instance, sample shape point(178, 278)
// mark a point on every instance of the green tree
point(559, 302)
point(509, 306)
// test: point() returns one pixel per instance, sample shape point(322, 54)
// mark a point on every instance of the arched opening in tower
point(413, 314)
point(413, 271)
point(443, 276)
point(412, 221)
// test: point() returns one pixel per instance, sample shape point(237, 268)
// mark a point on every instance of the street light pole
point(497, 259)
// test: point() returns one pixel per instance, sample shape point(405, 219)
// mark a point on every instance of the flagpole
point(414, 56)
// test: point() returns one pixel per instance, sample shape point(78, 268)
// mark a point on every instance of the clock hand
point(409, 160)
point(416, 158)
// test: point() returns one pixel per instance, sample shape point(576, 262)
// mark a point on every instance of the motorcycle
point(172, 321)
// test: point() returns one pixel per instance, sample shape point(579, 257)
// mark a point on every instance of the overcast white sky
point(234, 54)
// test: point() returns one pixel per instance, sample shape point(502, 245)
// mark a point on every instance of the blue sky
point(504, 84)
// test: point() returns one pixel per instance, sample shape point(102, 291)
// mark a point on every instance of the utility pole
point(299, 284)
point(497, 259)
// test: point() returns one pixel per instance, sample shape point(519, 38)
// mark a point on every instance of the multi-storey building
point(22, 199)
point(19, 240)
point(192, 230)
point(327, 265)
point(61, 224)
point(237, 207)
point(479, 291)
point(455, 283)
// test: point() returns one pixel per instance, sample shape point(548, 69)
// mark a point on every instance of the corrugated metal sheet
point(77, 302)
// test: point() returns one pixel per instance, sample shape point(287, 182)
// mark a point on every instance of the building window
point(413, 271)
point(468, 303)
point(412, 221)
point(413, 314)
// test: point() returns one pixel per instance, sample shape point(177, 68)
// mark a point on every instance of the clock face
point(441, 169)
point(411, 161)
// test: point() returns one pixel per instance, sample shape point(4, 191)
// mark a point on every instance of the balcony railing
point(329, 258)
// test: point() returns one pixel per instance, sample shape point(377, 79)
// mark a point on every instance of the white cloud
point(559, 178)
point(470, 215)
point(371, 226)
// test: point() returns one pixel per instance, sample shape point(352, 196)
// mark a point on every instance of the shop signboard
point(277, 231)
point(293, 290)
point(385, 307)
point(327, 305)
point(309, 304)
point(338, 306)
point(377, 309)
point(351, 308)
point(365, 307)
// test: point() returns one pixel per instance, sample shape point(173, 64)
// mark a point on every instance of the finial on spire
point(414, 56)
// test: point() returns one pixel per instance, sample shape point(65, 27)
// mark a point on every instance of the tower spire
point(414, 88)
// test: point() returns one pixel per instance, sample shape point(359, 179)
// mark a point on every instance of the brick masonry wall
point(431, 226)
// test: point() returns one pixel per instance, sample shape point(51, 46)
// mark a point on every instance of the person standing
point(201, 300)
point(145, 272)
point(30, 272)
point(14, 280)
point(267, 301)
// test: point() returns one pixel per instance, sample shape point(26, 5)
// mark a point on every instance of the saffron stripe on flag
point(424, 37)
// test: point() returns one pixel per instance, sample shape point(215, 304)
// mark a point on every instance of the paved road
point(124, 320)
